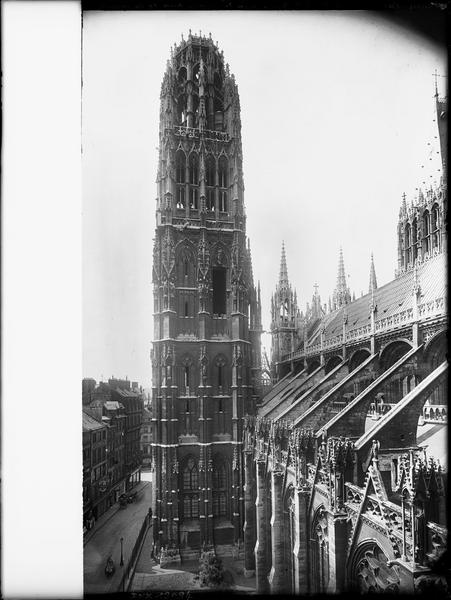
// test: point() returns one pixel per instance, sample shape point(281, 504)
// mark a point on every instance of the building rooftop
point(127, 393)
point(91, 424)
point(113, 405)
point(389, 299)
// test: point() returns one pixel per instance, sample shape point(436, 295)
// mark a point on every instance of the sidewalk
point(104, 540)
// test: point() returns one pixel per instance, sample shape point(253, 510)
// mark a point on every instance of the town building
point(95, 480)
point(344, 486)
point(206, 356)
point(112, 418)
point(133, 409)
point(146, 438)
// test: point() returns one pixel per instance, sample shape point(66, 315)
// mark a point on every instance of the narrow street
point(105, 541)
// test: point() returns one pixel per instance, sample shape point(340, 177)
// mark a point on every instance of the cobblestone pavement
point(105, 541)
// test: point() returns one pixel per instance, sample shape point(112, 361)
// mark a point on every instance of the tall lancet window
point(190, 489)
point(180, 168)
point(408, 244)
point(426, 232)
point(435, 226)
point(210, 175)
point(193, 181)
point(219, 488)
point(414, 240)
point(222, 177)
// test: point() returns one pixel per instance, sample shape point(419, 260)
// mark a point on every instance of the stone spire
point(341, 294)
point(283, 276)
point(284, 316)
point(373, 280)
point(403, 208)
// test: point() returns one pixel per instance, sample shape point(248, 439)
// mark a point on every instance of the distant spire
point(341, 295)
point(373, 280)
point(404, 204)
point(283, 276)
point(341, 276)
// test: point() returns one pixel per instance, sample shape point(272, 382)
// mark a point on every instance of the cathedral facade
point(344, 489)
point(207, 316)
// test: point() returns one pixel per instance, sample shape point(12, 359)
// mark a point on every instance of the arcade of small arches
point(187, 179)
point(420, 235)
point(191, 85)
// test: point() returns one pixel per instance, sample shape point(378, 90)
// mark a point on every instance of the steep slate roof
point(91, 424)
point(113, 405)
point(391, 298)
point(127, 393)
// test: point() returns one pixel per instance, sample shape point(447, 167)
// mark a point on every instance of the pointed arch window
point(408, 244)
point(193, 169)
point(180, 166)
point(196, 109)
point(210, 174)
point(435, 226)
point(219, 491)
point(185, 271)
point(414, 240)
point(181, 109)
point(190, 483)
point(210, 170)
point(426, 231)
point(193, 177)
point(222, 172)
point(223, 168)
point(190, 476)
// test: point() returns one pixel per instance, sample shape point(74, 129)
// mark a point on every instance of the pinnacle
point(373, 279)
point(341, 276)
point(341, 294)
point(283, 276)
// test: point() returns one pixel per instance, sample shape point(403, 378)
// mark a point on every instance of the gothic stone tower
point(422, 231)
point(207, 315)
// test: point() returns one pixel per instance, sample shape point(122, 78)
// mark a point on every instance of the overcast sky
point(337, 115)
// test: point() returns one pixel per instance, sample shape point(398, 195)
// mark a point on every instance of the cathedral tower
point(285, 317)
point(422, 221)
point(207, 314)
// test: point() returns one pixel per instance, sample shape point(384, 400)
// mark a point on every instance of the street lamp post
point(122, 563)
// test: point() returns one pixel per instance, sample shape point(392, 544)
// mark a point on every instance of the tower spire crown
point(283, 275)
point(373, 280)
point(341, 294)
